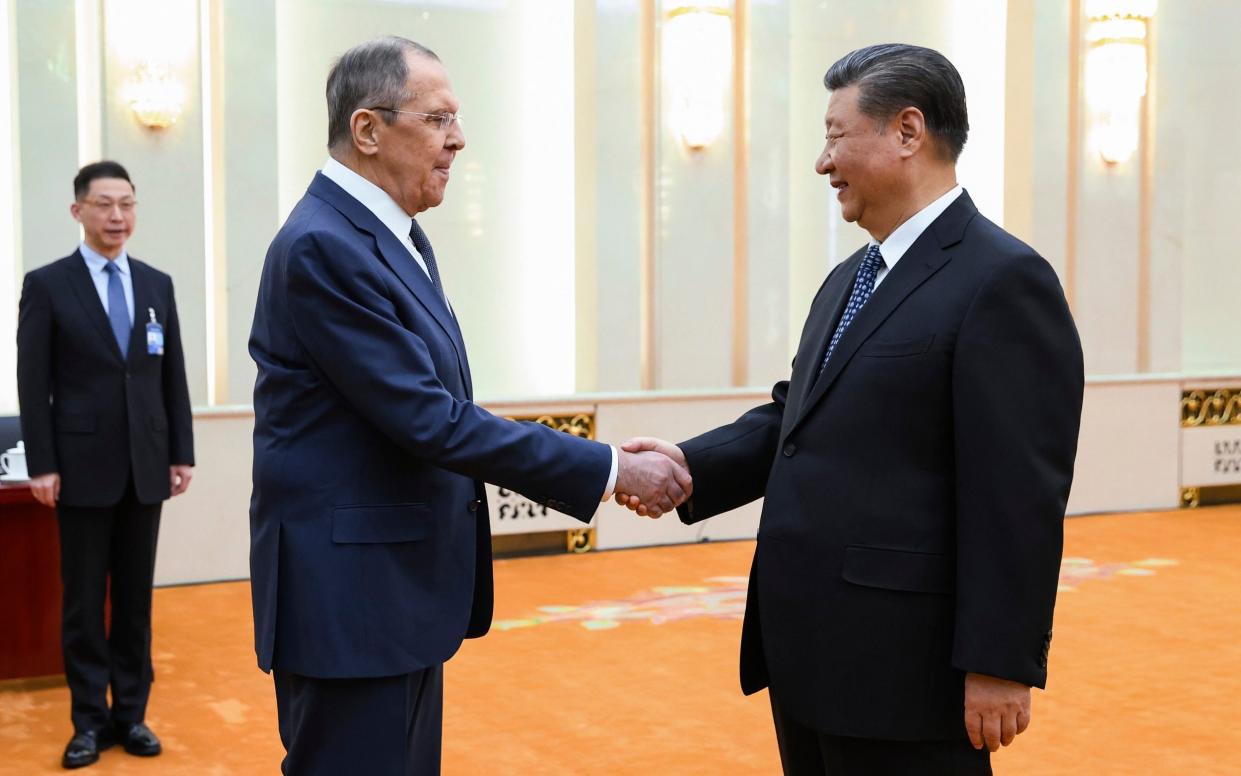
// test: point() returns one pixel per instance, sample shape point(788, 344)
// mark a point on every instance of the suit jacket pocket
point(887, 569)
point(380, 524)
point(895, 349)
point(75, 423)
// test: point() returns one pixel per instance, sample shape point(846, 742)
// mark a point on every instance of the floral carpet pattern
point(723, 598)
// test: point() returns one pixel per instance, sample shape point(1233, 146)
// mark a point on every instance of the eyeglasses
point(445, 120)
point(106, 205)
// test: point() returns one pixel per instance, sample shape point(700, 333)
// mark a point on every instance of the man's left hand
point(179, 477)
point(996, 710)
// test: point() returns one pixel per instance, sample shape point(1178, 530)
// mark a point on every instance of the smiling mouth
point(840, 188)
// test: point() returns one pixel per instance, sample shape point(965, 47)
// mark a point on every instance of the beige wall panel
point(1197, 182)
point(1107, 265)
point(1128, 453)
point(1049, 215)
point(769, 195)
point(46, 100)
point(205, 532)
point(248, 122)
point(166, 165)
point(617, 197)
point(1128, 459)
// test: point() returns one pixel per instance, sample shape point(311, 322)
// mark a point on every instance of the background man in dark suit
point(106, 420)
point(370, 540)
point(915, 465)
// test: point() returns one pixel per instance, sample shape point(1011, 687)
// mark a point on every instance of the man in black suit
point(106, 419)
point(915, 465)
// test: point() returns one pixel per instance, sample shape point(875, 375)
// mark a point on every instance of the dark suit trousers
point(808, 752)
point(386, 726)
point(99, 545)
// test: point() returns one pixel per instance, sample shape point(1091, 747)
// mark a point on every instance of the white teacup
point(13, 462)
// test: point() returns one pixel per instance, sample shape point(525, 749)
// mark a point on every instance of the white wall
point(539, 237)
point(10, 201)
point(1198, 184)
point(821, 33)
point(504, 236)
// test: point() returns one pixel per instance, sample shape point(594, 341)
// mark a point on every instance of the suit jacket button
point(473, 505)
point(789, 449)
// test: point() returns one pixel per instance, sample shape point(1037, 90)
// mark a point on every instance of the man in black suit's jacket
point(916, 464)
point(106, 420)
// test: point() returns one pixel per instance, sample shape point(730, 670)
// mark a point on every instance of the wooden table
point(30, 590)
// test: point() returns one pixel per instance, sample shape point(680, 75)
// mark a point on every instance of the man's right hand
point(634, 501)
point(46, 489)
point(658, 482)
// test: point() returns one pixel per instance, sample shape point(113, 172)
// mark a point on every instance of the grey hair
point(893, 76)
point(369, 75)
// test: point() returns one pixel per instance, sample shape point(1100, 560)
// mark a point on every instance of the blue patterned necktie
point(863, 287)
point(118, 310)
point(423, 246)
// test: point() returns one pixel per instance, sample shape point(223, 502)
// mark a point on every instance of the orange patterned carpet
point(625, 663)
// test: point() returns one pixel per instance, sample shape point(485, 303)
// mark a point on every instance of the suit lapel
point(398, 259)
point(930, 252)
point(832, 306)
point(84, 289)
point(144, 299)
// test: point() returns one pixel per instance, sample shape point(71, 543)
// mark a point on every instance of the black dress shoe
point(138, 739)
point(84, 747)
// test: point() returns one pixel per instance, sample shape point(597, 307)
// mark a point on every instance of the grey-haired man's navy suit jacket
point(370, 541)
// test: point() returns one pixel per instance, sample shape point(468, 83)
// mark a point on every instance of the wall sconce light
point(1116, 74)
point(697, 68)
point(155, 96)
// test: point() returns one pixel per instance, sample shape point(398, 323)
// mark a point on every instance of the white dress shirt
point(97, 264)
point(905, 235)
point(393, 216)
point(378, 201)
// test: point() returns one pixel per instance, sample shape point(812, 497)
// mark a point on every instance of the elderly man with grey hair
point(370, 542)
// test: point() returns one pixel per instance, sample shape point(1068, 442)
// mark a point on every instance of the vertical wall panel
point(250, 173)
point(47, 128)
point(166, 165)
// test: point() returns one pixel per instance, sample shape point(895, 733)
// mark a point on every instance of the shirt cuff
point(607, 494)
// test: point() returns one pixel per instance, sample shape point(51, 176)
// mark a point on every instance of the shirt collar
point(905, 235)
point(371, 196)
point(96, 261)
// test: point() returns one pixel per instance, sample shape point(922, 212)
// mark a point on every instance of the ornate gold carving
point(1190, 497)
point(580, 425)
point(515, 506)
point(1221, 407)
point(580, 540)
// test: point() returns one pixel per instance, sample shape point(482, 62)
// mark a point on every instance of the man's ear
point(911, 129)
point(75, 210)
point(363, 126)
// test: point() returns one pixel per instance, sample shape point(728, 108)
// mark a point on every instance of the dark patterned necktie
point(118, 310)
point(863, 287)
point(423, 246)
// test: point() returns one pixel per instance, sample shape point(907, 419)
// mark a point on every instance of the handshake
point(652, 476)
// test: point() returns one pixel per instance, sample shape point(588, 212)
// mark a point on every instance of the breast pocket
point(896, 348)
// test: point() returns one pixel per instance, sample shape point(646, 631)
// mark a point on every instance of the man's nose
point(456, 137)
point(823, 166)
